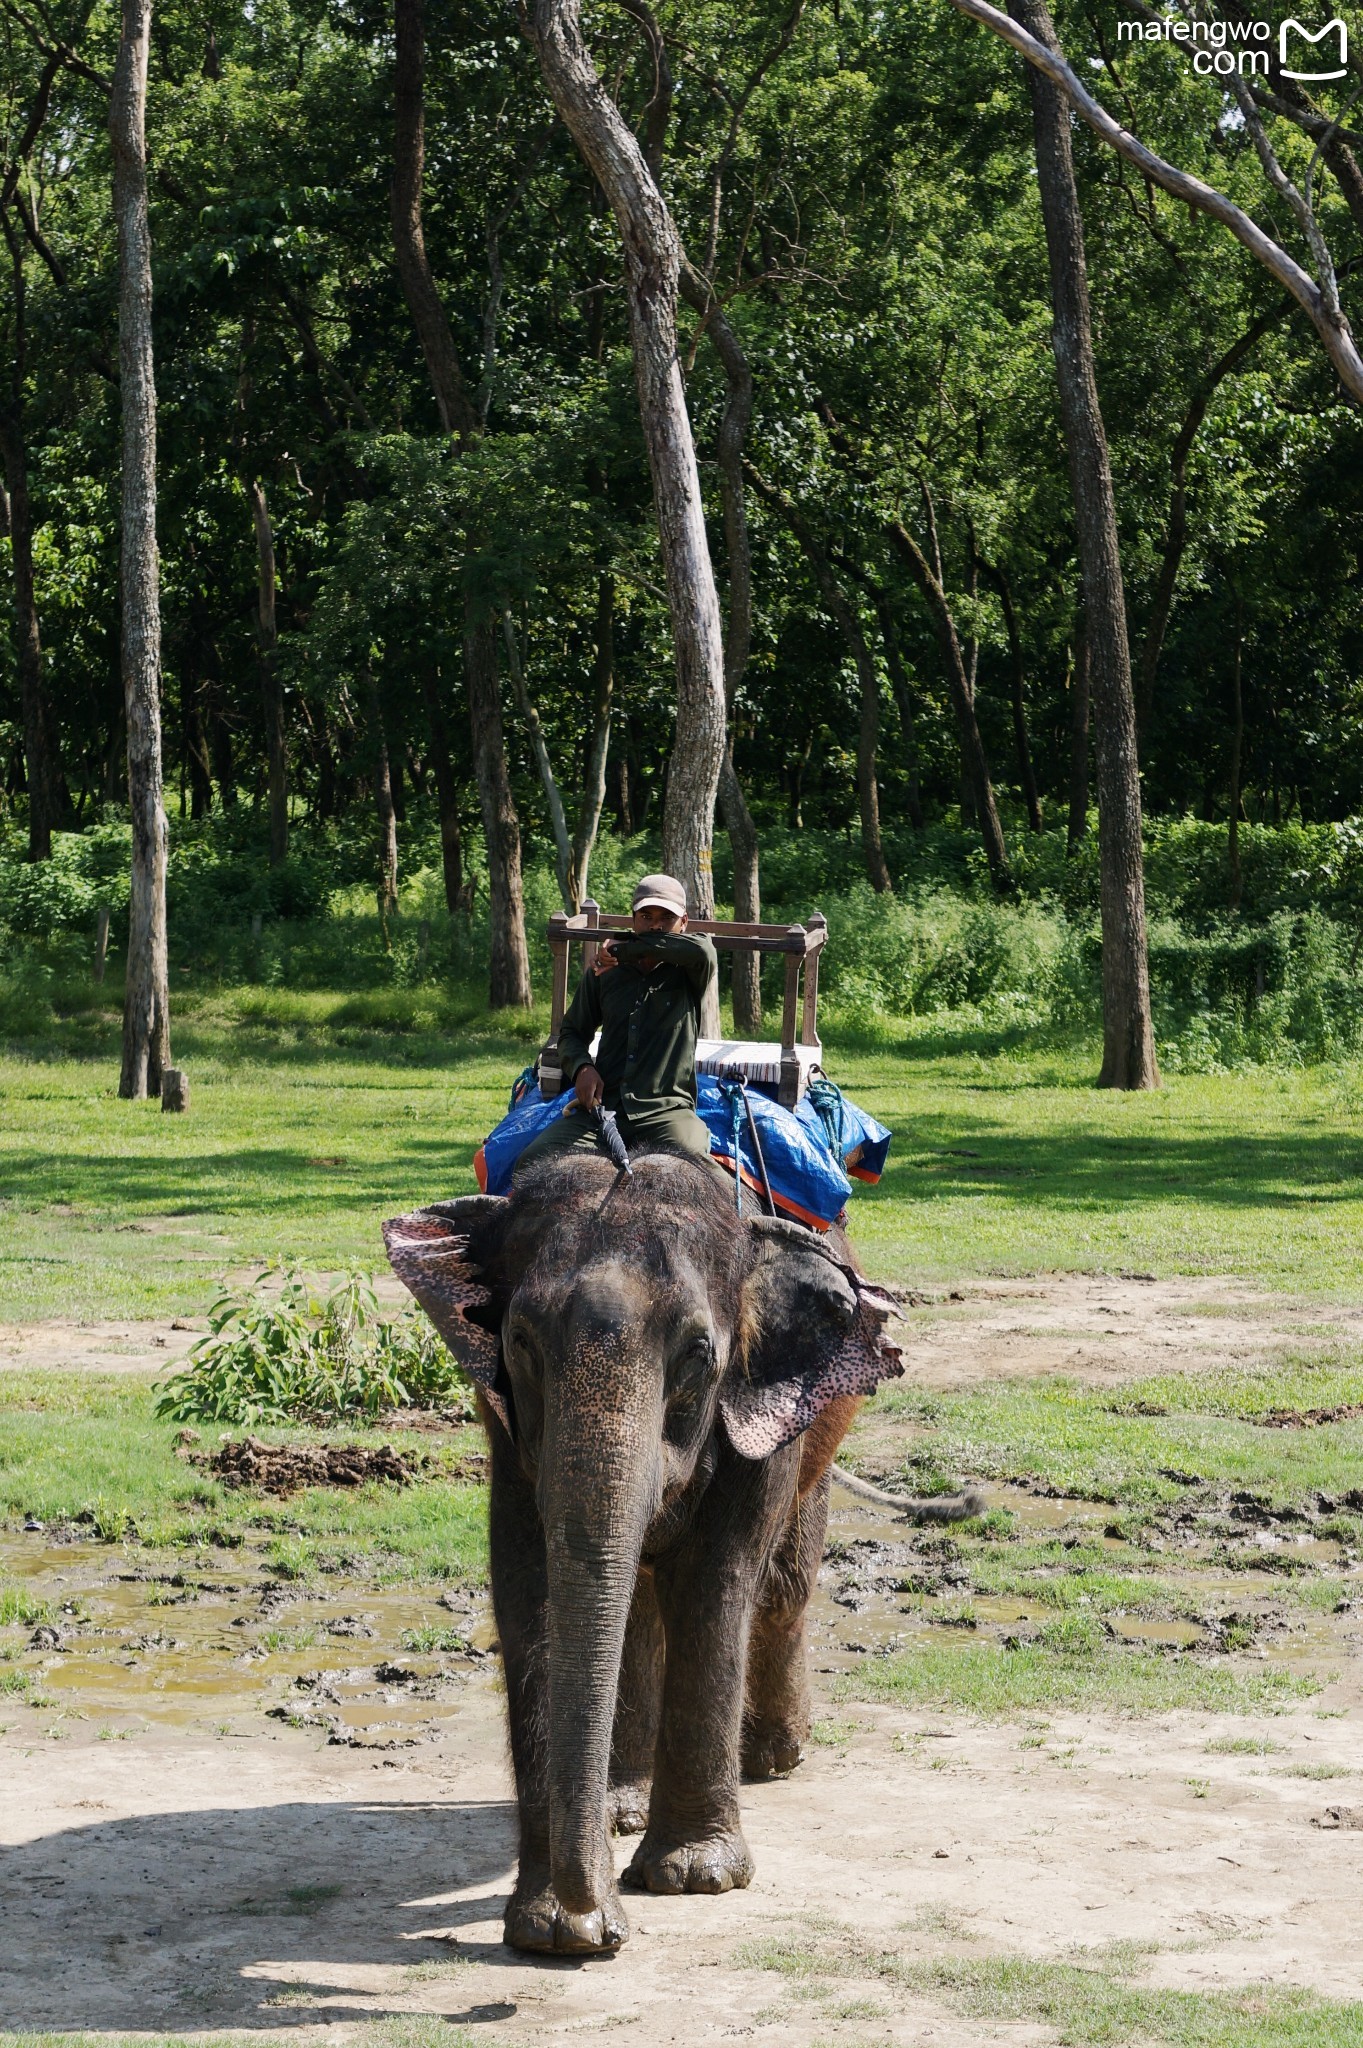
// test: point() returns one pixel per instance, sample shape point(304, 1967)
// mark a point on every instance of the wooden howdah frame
point(787, 1065)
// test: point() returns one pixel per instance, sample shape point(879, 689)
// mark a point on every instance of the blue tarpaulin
point(806, 1149)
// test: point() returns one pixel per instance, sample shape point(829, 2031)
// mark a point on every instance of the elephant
point(664, 1386)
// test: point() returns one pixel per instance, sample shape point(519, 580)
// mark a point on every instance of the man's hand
point(605, 958)
point(589, 1088)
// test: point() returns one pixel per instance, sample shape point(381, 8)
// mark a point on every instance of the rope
point(826, 1097)
point(520, 1088)
point(732, 1091)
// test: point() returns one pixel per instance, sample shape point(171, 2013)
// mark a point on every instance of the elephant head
point(613, 1329)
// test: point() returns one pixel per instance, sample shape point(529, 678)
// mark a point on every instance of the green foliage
point(283, 1351)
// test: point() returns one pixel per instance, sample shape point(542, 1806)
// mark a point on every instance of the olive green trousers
point(577, 1132)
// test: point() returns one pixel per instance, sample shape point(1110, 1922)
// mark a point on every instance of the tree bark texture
point(272, 696)
point(962, 702)
point(446, 792)
point(42, 766)
point(1128, 1039)
point(652, 261)
point(733, 804)
point(1079, 738)
point(146, 1006)
point(509, 972)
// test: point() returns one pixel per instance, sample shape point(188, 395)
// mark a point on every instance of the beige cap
point(662, 891)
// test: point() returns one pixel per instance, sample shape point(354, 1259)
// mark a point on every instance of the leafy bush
point(301, 1356)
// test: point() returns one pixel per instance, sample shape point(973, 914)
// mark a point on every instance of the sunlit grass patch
point(1087, 2006)
point(88, 1449)
point(1153, 1446)
point(993, 1680)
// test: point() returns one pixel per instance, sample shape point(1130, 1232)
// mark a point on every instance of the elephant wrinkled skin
point(664, 1388)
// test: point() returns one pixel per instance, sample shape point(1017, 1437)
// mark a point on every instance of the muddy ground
point(244, 1805)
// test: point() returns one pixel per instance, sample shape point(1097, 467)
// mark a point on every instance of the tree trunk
point(41, 763)
point(1128, 1040)
point(553, 797)
point(271, 693)
point(146, 1006)
point(1026, 776)
point(509, 968)
point(1237, 748)
point(509, 972)
point(903, 697)
point(589, 810)
point(652, 260)
point(845, 617)
point(1079, 738)
point(733, 804)
point(446, 791)
point(383, 807)
point(1176, 529)
point(962, 703)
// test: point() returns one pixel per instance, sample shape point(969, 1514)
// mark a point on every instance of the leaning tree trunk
point(1128, 1039)
point(962, 696)
point(588, 820)
point(733, 804)
point(509, 972)
point(652, 261)
point(146, 1004)
point(272, 694)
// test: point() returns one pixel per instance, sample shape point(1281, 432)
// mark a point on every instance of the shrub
point(302, 1356)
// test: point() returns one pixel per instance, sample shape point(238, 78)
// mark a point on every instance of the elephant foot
point(537, 1922)
point(627, 1809)
point(770, 1750)
point(718, 1863)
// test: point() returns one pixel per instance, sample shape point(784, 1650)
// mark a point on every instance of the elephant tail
point(941, 1507)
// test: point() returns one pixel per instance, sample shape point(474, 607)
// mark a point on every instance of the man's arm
point(693, 952)
point(580, 1025)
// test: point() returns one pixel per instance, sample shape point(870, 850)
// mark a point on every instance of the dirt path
point(272, 1883)
point(179, 1878)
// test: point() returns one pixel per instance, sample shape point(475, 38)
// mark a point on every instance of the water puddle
point(220, 1642)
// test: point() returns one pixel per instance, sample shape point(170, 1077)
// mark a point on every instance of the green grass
point(990, 1680)
point(1095, 1443)
point(1087, 2007)
point(316, 1114)
point(90, 1444)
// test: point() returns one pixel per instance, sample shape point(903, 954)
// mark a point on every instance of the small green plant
point(431, 1637)
point(292, 1353)
point(20, 1607)
point(1243, 1745)
point(1199, 1787)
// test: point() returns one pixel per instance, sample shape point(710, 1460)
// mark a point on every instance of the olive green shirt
point(649, 1022)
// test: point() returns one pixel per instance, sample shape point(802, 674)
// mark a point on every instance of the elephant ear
point(429, 1252)
point(818, 1331)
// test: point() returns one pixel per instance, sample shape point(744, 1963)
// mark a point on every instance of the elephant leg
point(776, 1712)
point(707, 1587)
point(637, 1707)
point(535, 1918)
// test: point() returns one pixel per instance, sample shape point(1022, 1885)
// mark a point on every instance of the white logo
point(1314, 77)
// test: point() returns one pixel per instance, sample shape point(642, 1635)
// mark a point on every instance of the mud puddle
point(127, 1642)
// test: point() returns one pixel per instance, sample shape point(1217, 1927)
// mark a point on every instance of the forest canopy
point(412, 599)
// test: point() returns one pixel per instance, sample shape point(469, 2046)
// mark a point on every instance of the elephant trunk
point(600, 1488)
